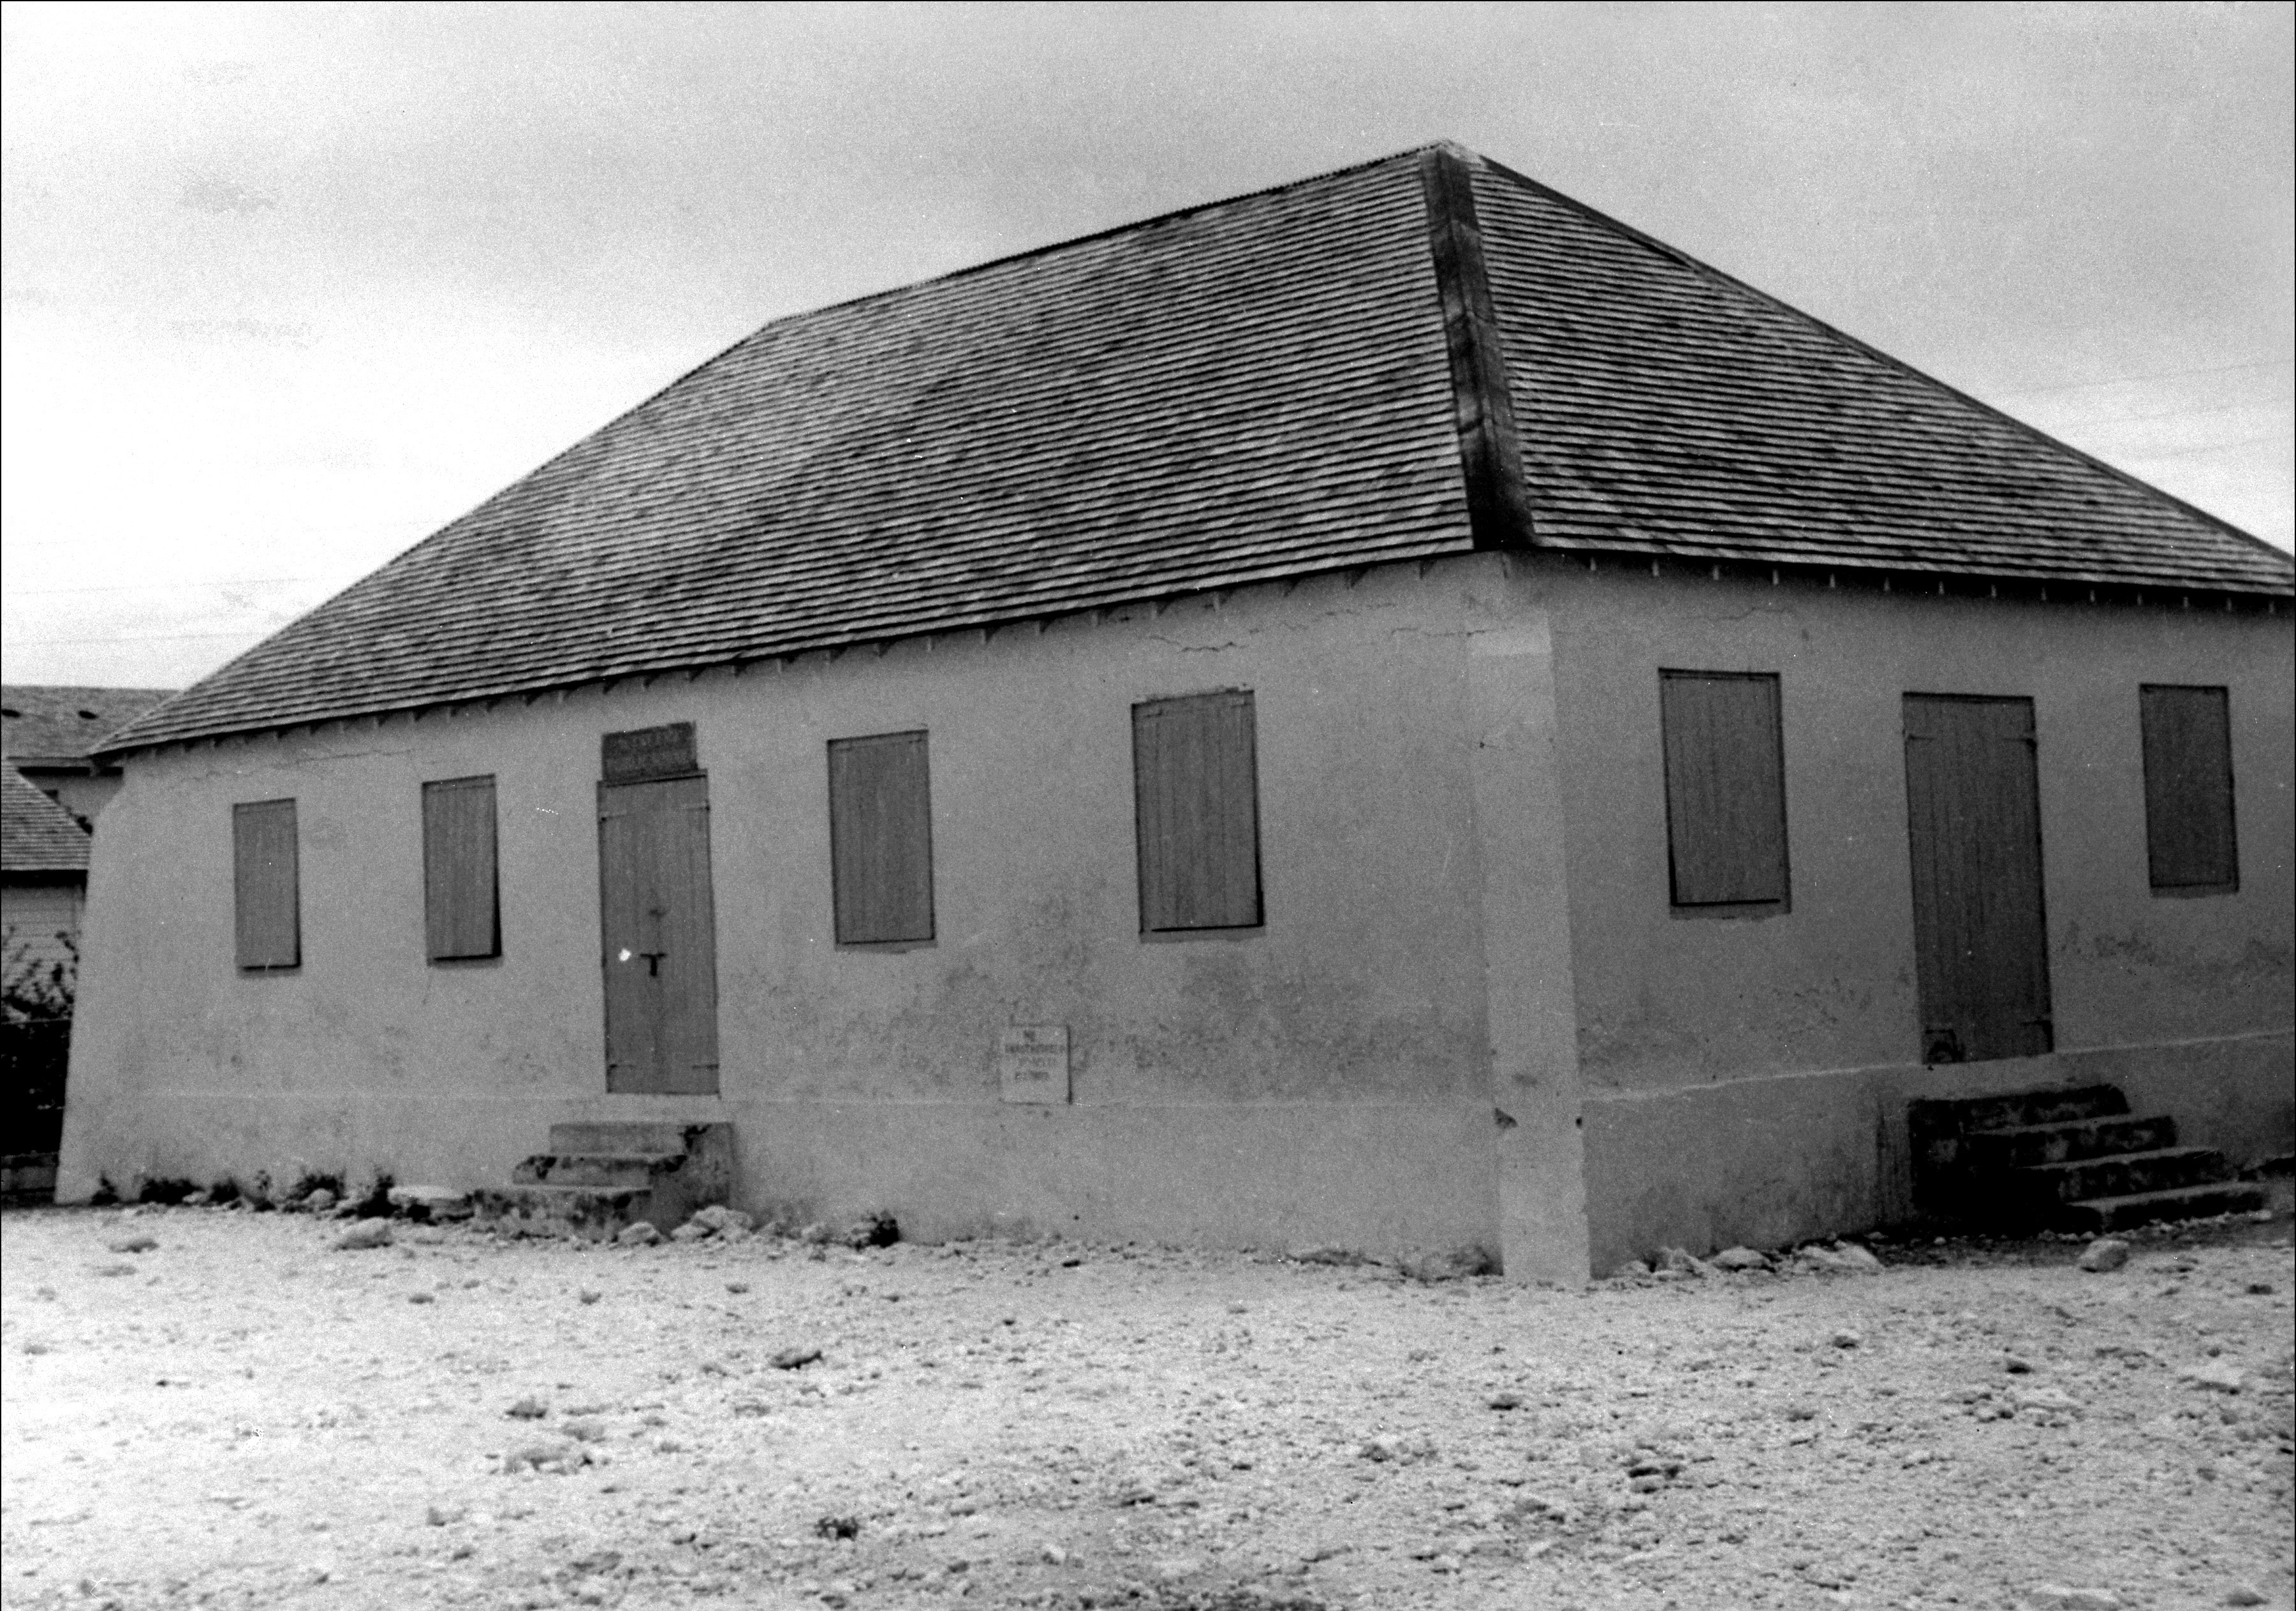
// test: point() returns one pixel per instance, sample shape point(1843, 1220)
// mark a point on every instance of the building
point(43, 879)
point(1393, 710)
point(49, 735)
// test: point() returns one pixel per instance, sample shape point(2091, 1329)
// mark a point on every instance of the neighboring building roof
point(56, 725)
point(1279, 385)
point(36, 834)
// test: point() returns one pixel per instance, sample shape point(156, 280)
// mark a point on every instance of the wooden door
point(1980, 934)
point(661, 936)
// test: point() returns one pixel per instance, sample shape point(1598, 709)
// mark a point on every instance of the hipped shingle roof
point(1257, 389)
point(36, 834)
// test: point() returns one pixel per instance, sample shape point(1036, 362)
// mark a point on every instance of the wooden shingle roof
point(47, 723)
point(1264, 387)
point(36, 834)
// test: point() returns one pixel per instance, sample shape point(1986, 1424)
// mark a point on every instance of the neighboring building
point(1394, 711)
point(49, 735)
point(42, 878)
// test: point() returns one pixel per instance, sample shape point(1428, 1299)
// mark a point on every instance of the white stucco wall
point(1327, 1079)
point(1747, 1078)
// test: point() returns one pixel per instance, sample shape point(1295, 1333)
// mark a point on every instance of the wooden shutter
point(2188, 814)
point(460, 902)
point(270, 930)
point(1196, 795)
point(880, 839)
point(1725, 789)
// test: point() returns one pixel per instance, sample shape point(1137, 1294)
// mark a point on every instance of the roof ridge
point(1700, 265)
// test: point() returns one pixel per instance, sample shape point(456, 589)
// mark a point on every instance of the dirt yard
point(241, 1416)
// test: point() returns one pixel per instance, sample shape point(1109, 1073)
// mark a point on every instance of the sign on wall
point(644, 753)
point(1034, 1063)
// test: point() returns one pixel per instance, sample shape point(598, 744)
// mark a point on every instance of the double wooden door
point(1980, 931)
point(661, 935)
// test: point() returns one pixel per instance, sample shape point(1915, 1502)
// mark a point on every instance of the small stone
point(839, 1527)
point(1630, 1269)
point(2259, 1289)
point(2057, 1597)
point(421, 1297)
point(2045, 1398)
point(585, 1432)
point(1740, 1259)
point(2240, 1594)
point(1054, 1556)
point(544, 1454)
point(2104, 1255)
point(792, 1358)
point(875, 1229)
point(641, 1234)
point(115, 1269)
point(318, 1202)
point(1679, 1259)
point(589, 1295)
point(2215, 1375)
point(528, 1409)
point(363, 1236)
point(443, 1516)
point(132, 1244)
point(1847, 1338)
point(691, 1232)
point(2017, 1364)
point(737, 1287)
point(1507, 1400)
point(718, 1217)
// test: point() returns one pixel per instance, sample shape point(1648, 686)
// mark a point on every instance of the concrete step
point(619, 1136)
point(2096, 1215)
point(2123, 1175)
point(2031, 1146)
point(601, 1175)
point(638, 1169)
point(598, 1213)
point(2014, 1110)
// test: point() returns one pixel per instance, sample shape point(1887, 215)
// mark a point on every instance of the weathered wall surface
point(1747, 1078)
point(1328, 1078)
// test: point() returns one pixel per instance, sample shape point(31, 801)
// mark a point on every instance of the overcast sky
point(287, 286)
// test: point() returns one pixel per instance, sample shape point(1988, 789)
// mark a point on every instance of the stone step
point(596, 1211)
point(595, 1168)
point(2123, 1175)
point(620, 1135)
point(2097, 1215)
point(2029, 1145)
point(432, 1203)
point(601, 1175)
point(2015, 1110)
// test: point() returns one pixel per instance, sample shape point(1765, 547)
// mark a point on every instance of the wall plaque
point(1033, 1059)
point(644, 754)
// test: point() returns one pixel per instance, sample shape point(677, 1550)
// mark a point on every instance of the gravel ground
point(241, 1415)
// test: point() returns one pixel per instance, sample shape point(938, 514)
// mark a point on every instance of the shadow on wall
point(35, 1000)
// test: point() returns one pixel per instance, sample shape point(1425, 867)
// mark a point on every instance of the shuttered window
point(1196, 795)
point(1725, 792)
point(460, 906)
point(2188, 821)
point(880, 839)
point(269, 924)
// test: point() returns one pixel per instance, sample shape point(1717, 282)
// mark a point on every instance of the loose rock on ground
point(255, 1416)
